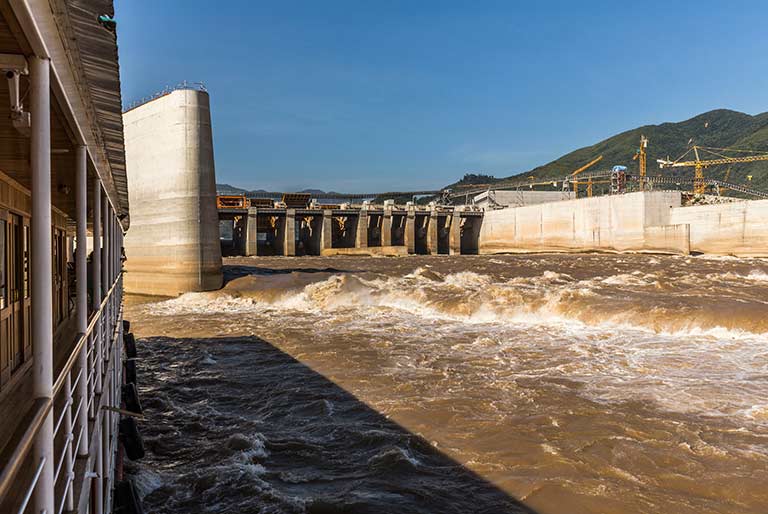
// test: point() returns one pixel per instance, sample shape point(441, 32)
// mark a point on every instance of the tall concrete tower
point(173, 244)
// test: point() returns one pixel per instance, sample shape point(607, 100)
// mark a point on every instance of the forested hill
point(721, 128)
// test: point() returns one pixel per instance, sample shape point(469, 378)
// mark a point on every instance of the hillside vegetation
point(721, 128)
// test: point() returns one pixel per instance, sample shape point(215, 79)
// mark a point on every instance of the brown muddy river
point(550, 383)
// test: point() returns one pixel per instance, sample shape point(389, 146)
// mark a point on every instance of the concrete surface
point(625, 223)
point(520, 198)
point(173, 244)
point(736, 228)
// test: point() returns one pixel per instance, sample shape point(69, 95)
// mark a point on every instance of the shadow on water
point(237, 425)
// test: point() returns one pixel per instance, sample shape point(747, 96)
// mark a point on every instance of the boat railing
point(84, 421)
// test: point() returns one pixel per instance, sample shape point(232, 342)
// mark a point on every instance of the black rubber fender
point(129, 341)
point(126, 326)
point(131, 438)
point(127, 498)
point(131, 398)
point(130, 372)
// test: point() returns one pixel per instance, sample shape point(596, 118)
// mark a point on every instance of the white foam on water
point(678, 363)
point(466, 297)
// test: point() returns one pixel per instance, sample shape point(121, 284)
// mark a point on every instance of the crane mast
point(575, 173)
point(641, 157)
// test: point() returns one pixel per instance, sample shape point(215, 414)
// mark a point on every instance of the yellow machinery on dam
point(718, 158)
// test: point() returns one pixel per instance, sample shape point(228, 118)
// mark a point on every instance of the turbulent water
point(555, 383)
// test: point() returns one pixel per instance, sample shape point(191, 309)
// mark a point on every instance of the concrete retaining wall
point(632, 222)
point(737, 228)
point(173, 244)
point(520, 198)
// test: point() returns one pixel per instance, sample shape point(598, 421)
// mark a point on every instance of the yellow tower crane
point(579, 170)
point(698, 164)
point(641, 156)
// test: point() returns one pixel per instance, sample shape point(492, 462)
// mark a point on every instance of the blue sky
point(367, 95)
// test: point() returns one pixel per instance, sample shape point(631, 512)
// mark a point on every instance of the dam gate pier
point(294, 227)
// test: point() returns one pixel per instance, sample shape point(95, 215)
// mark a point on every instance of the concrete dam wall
point(624, 223)
point(173, 244)
point(736, 228)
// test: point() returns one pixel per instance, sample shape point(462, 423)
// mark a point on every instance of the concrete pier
point(361, 235)
point(315, 230)
point(173, 246)
point(410, 232)
point(289, 233)
point(386, 228)
point(432, 233)
point(454, 246)
point(252, 232)
point(326, 241)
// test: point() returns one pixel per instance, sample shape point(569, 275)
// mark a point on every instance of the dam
point(181, 225)
point(307, 228)
point(173, 243)
point(649, 222)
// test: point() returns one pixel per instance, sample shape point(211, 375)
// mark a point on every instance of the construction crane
point(591, 182)
point(699, 185)
point(579, 170)
point(641, 156)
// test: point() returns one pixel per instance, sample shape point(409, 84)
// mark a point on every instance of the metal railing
point(102, 343)
point(196, 86)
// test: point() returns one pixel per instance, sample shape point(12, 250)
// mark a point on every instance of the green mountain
point(720, 128)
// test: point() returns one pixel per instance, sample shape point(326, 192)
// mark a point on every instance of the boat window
point(3, 258)
point(25, 260)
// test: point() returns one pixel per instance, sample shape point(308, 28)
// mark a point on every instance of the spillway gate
point(250, 230)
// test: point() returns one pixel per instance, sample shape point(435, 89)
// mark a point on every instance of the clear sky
point(375, 95)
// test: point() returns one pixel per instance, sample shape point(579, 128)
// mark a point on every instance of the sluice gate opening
point(397, 230)
point(374, 235)
point(309, 235)
point(469, 234)
point(344, 231)
point(421, 225)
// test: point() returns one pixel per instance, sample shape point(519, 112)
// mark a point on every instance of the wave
point(617, 301)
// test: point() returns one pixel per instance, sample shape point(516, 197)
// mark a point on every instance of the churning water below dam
point(542, 383)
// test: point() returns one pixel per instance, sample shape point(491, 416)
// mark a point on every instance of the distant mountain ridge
point(721, 128)
point(226, 189)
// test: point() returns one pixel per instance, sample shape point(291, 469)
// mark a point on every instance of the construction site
point(603, 210)
point(679, 208)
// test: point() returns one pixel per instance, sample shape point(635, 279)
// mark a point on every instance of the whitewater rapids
point(570, 383)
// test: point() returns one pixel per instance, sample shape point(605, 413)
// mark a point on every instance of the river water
point(555, 383)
